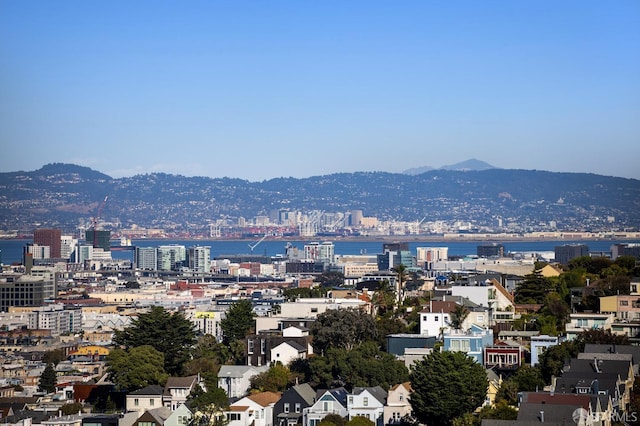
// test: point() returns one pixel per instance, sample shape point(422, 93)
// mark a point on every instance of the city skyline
point(261, 91)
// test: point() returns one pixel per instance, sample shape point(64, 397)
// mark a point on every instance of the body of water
point(11, 250)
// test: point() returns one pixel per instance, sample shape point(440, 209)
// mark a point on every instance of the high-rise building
point(171, 257)
point(67, 246)
point(146, 258)
point(321, 252)
point(102, 239)
point(199, 258)
point(566, 252)
point(625, 249)
point(392, 259)
point(51, 238)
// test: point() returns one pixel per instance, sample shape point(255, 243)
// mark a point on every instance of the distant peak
point(468, 165)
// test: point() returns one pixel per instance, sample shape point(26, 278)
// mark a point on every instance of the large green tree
point(137, 367)
point(342, 328)
point(363, 366)
point(238, 321)
point(169, 333)
point(276, 379)
point(446, 385)
point(48, 379)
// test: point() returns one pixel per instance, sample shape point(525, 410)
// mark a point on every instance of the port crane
point(95, 219)
point(253, 246)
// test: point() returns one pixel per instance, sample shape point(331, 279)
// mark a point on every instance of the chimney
point(541, 416)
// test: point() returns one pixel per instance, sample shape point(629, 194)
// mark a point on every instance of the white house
point(236, 379)
point(368, 403)
point(286, 352)
point(144, 399)
point(580, 322)
point(332, 401)
point(398, 404)
point(255, 410)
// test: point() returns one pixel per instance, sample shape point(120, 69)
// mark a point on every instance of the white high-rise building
point(320, 252)
point(428, 255)
point(67, 246)
point(200, 259)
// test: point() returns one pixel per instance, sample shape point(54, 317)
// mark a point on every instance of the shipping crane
point(95, 219)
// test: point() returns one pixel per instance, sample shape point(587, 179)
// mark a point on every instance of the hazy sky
point(266, 89)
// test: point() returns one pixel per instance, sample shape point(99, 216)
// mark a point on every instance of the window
point(624, 303)
point(435, 318)
point(350, 400)
point(183, 420)
point(401, 397)
point(365, 401)
point(582, 322)
point(151, 401)
point(136, 402)
point(250, 346)
point(297, 407)
point(480, 318)
point(314, 310)
point(233, 416)
point(286, 407)
point(424, 318)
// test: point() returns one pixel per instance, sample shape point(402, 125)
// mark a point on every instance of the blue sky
point(266, 89)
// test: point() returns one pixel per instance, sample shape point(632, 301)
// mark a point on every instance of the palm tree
point(458, 315)
point(401, 274)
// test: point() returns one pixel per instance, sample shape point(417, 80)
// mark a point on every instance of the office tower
point(625, 249)
point(67, 246)
point(564, 253)
point(102, 239)
point(51, 238)
point(320, 252)
point(490, 250)
point(37, 251)
point(199, 258)
point(146, 258)
point(171, 257)
point(25, 290)
point(392, 259)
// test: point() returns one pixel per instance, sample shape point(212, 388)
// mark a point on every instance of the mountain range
point(463, 166)
point(66, 196)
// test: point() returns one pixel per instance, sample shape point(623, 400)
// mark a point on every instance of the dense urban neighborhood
point(314, 337)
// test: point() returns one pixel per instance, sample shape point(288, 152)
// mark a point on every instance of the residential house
point(503, 358)
point(327, 401)
point(253, 410)
point(579, 322)
point(144, 399)
point(177, 389)
point(260, 346)
point(181, 416)
point(490, 294)
point(286, 352)
point(235, 380)
point(101, 420)
point(435, 318)
point(472, 341)
point(596, 377)
point(539, 344)
point(398, 405)
point(626, 311)
point(368, 403)
point(494, 381)
point(288, 410)
point(155, 417)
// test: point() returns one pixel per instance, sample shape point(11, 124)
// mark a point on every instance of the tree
point(136, 368)
point(238, 321)
point(276, 379)
point(71, 408)
point(332, 420)
point(48, 379)
point(363, 366)
point(401, 275)
point(53, 356)
point(169, 333)
point(384, 300)
point(500, 411)
point(458, 315)
point(446, 385)
point(342, 328)
point(360, 421)
point(199, 400)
